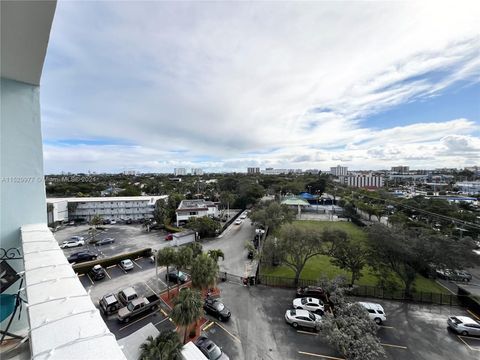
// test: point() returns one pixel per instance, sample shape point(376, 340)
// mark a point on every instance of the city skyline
point(156, 86)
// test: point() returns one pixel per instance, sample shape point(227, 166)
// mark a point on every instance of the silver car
point(298, 317)
point(464, 325)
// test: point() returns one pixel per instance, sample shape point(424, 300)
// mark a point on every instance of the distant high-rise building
point(339, 170)
point(253, 170)
point(400, 169)
point(129, 172)
point(363, 181)
point(180, 171)
point(197, 171)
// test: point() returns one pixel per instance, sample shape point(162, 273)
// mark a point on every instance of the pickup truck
point(137, 307)
point(127, 295)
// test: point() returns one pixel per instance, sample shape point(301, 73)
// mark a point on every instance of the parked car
point(169, 237)
point(454, 275)
point(243, 216)
point(179, 276)
point(109, 304)
point(106, 221)
point(81, 256)
point(210, 349)
point(138, 307)
point(303, 318)
point(128, 221)
point(97, 272)
point(238, 222)
point(113, 222)
point(126, 295)
point(375, 311)
point(105, 241)
point(71, 223)
point(312, 291)
point(72, 243)
point(216, 308)
point(464, 325)
point(126, 264)
point(310, 304)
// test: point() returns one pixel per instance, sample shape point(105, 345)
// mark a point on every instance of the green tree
point(294, 247)
point(93, 231)
point(187, 309)
point(216, 254)
point(351, 256)
point(183, 259)
point(166, 346)
point(196, 247)
point(160, 212)
point(204, 226)
point(204, 272)
point(166, 257)
point(146, 224)
point(272, 215)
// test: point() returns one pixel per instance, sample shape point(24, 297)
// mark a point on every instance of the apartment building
point(339, 170)
point(400, 169)
point(197, 171)
point(253, 170)
point(363, 181)
point(180, 171)
point(195, 208)
point(109, 208)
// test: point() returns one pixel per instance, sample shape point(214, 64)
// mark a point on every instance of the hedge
point(172, 228)
point(85, 267)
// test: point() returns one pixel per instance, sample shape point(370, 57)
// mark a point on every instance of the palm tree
point(204, 272)
point(166, 346)
point(146, 224)
point(215, 254)
point(187, 309)
point(184, 258)
point(166, 257)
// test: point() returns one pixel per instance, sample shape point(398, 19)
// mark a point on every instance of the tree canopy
point(166, 346)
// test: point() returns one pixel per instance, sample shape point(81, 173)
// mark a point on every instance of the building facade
point(339, 170)
point(197, 171)
point(363, 181)
point(253, 170)
point(195, 208)
point(109, 208)
point(400, 169)
point(468, 187)
point(180, 171)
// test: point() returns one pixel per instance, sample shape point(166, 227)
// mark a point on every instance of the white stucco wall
point(22, 192)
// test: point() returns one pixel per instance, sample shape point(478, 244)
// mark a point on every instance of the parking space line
point(228, 332)
point(161, 321)
point(137, 264)
point(111, 266)
point(450, 291)
point(306, 332)
point(394, 346)
point(89, 278)
point(466, 344)
point(473, 314)
point(207, 326)
point(150, 288)
point(121, 269)
point(386, 327)
point(321, 356)
point(106, 272)
point(80, 275)
point(133, 322)
point(166, 304)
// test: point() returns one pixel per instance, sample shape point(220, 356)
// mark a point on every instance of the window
point(193, 213)
point(371, 311)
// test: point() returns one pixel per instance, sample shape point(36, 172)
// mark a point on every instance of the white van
point(375, 312)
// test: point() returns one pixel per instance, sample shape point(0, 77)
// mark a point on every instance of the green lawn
point(320, 264)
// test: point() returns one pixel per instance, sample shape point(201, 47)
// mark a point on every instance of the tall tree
point(204, 226)
point(216, 254)
point(166, 346)
point(187, 309)
point(196, 247)
point(183, 258)
point(351, 256)
point(272, 215)
point(204, 272)
point(160, 213)
point(166, 257)
point(294, 246)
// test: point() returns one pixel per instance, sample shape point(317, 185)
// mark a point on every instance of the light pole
point(156, 268)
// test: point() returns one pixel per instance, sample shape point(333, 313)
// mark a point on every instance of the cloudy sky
point(150, 86)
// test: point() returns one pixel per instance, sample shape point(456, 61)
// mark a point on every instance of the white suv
point(375, 311)
point(73, 242)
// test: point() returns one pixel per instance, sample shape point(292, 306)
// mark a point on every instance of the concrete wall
point(22, 193)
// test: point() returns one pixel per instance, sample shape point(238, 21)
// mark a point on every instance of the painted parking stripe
point(111, 266)
point(207, 325)
point(394, 346)
point(89, 278)
point(228, 332)
point(473, 314)
point(79, 275)
point(137, 264)
point(466, 344)
point(151, 288)
point(306, 332)
point(106, 272)
point(320, 355)
point(450, 291)
point(121, 268)
point(386, 327)
point(161, 321)
point(133, 322)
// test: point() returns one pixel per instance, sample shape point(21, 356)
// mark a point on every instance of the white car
point(238, 222)
point(73, 242)
point(126, 264)
point(375, 311)
point(464, 325)
point(310, 304)
point(305, 318)
point(243, 216)
point(113, 222)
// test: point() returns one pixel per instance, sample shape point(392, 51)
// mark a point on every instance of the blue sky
point(150, 86)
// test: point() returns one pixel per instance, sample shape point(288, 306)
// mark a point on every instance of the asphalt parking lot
point(257, 329)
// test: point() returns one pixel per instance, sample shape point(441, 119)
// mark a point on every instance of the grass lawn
point(320, 264)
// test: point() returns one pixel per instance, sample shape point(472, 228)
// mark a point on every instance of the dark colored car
point(312, 291)
point(105, 241)
point(106, 221)
point(97, 272)
point(169, 237)
point(81, 256)
point(175, 277)
point(216, 308)
point(210, 349)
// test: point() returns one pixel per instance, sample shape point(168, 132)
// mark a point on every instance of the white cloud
point(228, 80)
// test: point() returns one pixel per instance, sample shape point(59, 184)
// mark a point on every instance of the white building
point(180, 171)
point(111, 208)
point(363, 181)
point(339, 170)
point(60, 321)
point(253, 170)
point(468, 187)
point(272, 171)
point(195, 208)
point(197, 171)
